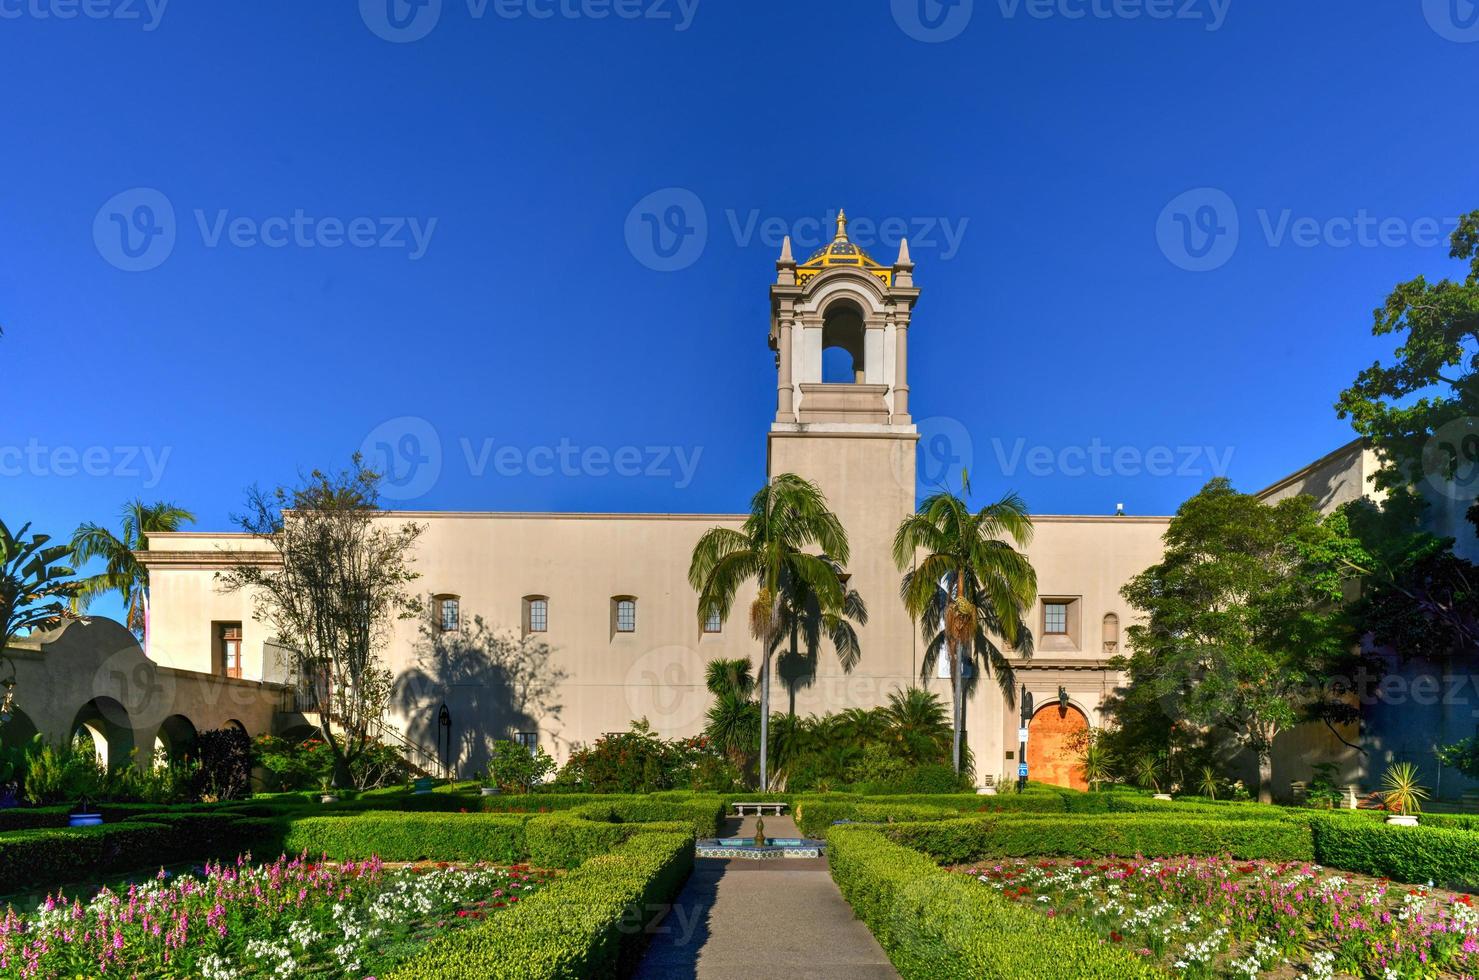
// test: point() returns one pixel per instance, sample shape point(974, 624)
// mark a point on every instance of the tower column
point(901, 369)
point(785, 410)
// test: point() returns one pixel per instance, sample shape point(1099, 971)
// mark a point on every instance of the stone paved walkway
point(761, 919)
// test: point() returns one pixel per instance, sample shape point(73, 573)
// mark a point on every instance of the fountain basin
point(773, 849)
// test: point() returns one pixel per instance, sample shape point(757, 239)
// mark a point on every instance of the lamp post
point(1022, 739)
point(444, 737)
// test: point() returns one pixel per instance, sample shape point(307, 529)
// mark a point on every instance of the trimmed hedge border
point(971, 839)
point(936, 925)
point(591, 923)
point(494, 837)
point(1410, 854)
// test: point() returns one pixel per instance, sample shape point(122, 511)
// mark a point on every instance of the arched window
point(1111, 633)
point(842, 345)
point(448, 613)
point(536, 614)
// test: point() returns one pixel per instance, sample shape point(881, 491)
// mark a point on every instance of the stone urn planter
point(1402, 819)
point(490, 790)
point(1162, 796)
point(328, 798)
point(84, 819)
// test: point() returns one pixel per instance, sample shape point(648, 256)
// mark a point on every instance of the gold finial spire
point(841, 224)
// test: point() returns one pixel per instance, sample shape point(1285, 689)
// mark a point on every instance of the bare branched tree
point(340, 581)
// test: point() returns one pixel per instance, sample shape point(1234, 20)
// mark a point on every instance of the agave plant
point(1147, 770)
point(1208, 782)
point(1400, 789)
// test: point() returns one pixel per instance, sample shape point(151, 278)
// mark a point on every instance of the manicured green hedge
point(816, 818)
point(565, 840)
point(702, 813)
point(588, 924)
point(495, 837)
point(936, 925)
point(1410, 854)
point(31, 859)
point(1089, 835)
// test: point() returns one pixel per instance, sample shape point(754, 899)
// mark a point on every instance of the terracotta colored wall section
point(1049, 758)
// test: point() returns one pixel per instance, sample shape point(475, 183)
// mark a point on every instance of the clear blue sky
point(1058, 313)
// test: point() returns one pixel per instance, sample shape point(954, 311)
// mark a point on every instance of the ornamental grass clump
point(243, 920)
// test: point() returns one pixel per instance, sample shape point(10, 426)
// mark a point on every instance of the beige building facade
point(609, 592)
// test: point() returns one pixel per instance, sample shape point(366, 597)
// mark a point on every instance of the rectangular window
point(538, 615)
point(713, 623)
point(1055, 618)
point(626, 615)
point(449, 613)
point(529, 740)
point(230, 646)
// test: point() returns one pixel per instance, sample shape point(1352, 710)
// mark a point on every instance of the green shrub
point(971, 839)
point(1446, 857)
point(499, 838)
point(935, 925)
point(588, 924)
point(703, 813)
point(816, 818)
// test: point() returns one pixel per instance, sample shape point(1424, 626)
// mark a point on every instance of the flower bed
point(1203, 917)
point(290, 917)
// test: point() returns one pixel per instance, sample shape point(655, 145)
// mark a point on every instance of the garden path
point(746, 920)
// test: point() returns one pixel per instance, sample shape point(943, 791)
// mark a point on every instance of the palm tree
point(787, 515)
point(733, 721)
point(917, 726)
point(966, 585)
point(122, 571)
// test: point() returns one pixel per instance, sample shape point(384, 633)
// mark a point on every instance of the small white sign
point(1022, 734)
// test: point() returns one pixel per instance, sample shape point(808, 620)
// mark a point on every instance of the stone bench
point(760, 808)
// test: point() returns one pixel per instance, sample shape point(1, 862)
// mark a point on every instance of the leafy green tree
point(333, 583)
point(1431, 385)
point(122, 572)
point(1242, 620)
point(787, 516)
point(966, 584)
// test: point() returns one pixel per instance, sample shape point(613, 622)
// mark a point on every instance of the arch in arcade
point(1051, 757)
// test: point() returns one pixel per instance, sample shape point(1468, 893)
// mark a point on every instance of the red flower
point(1115, 937)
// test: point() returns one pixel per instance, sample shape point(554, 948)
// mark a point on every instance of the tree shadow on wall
point(494, 683)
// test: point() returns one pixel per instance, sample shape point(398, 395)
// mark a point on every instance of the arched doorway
point(105, 723)
point(175, 740)
point(1051, 757)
